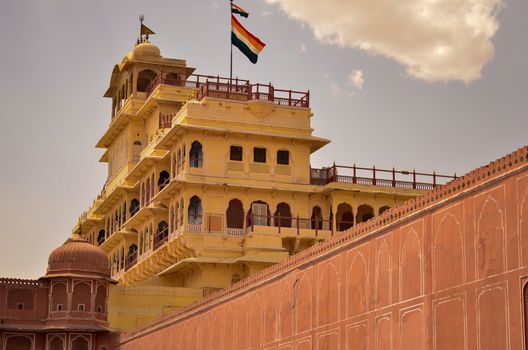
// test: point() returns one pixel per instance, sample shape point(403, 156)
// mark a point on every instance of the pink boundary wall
point(445, 271)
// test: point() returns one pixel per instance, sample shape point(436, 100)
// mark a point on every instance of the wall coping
point(21, 282)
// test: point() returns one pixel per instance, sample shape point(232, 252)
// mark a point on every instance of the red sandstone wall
point(446, 271)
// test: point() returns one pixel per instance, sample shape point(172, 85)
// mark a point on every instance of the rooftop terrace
point(234, 89)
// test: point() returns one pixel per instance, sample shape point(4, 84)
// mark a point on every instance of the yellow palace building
point(209, 181)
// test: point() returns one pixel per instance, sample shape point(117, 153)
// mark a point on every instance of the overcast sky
point(426, 84)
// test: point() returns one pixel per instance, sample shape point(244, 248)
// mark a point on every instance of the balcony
point(287, 226)
point(377, 177)
point(234, 89)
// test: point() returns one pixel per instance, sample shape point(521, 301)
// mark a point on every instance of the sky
point(427, 84)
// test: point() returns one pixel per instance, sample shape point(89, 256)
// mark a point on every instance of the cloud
point(356, 78)
point(435, 40)
point(302, 48)
point(338, 90)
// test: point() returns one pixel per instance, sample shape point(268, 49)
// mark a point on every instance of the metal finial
point(141, 17)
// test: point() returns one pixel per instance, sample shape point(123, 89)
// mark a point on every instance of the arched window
point(101, 237)
point(163, 229)
point(152, 186)
point(161, 234)
point(132, 249)
point(144, 79)
point(196, 155)
point(59, 297)
point(123, 214)
point(364, 213)
point(80, 343)
point(147, 198)
point(143, 194)
point(317, 218)
point(235, 214)
point(18, 342)
point(163, 180)
point(173, 164)
point(181, 212)
point(179, 161)
point(131, 256)
point(283, 215)
point(235, 278)
point(344, 217)
point(81, 299)
point(172, 79)
point(258, 214)
point(195, 211)
point(56, 342)
point(100, 299)
point(383, 209)
point(134, 207)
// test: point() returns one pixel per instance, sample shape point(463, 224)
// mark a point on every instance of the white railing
point(235, 231)
point(194, 227)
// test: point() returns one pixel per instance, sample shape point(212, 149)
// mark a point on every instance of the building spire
point(144, 31)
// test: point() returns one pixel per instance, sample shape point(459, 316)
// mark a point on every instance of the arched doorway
point(344, 217)
point(134, 207)
point(196, 155)
point(56, 342)
point(162, 233)
point(364, 213)
point(317, 218)
point(163, 180)
point(383, 209)
point(144, 79)
point(194, 212)
point(19, 342)
point(101, 237)
point(283, 215)
point(258, 214)
point(80, 343)
point(235, 214)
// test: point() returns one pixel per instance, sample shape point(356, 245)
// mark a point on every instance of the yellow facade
point(208, 184)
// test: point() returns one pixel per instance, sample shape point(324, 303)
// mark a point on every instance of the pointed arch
point(283, 215)
point(235, 214)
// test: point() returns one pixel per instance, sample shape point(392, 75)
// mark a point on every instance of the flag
point(249, 44)
point(238, 10)
point(146, 30)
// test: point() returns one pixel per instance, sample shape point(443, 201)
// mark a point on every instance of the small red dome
point(78, 257)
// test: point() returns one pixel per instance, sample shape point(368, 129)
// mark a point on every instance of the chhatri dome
point(78, 257)
point(146, 49)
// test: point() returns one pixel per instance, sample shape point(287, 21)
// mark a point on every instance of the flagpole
point(231, 58)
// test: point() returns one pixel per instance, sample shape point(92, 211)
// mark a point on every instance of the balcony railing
point(130, 260)
point(219, 224)
point(160, 238)
point(165, 120)
point(234, 89)
point(377, 177)
point(295, 225)
point(230, 90)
